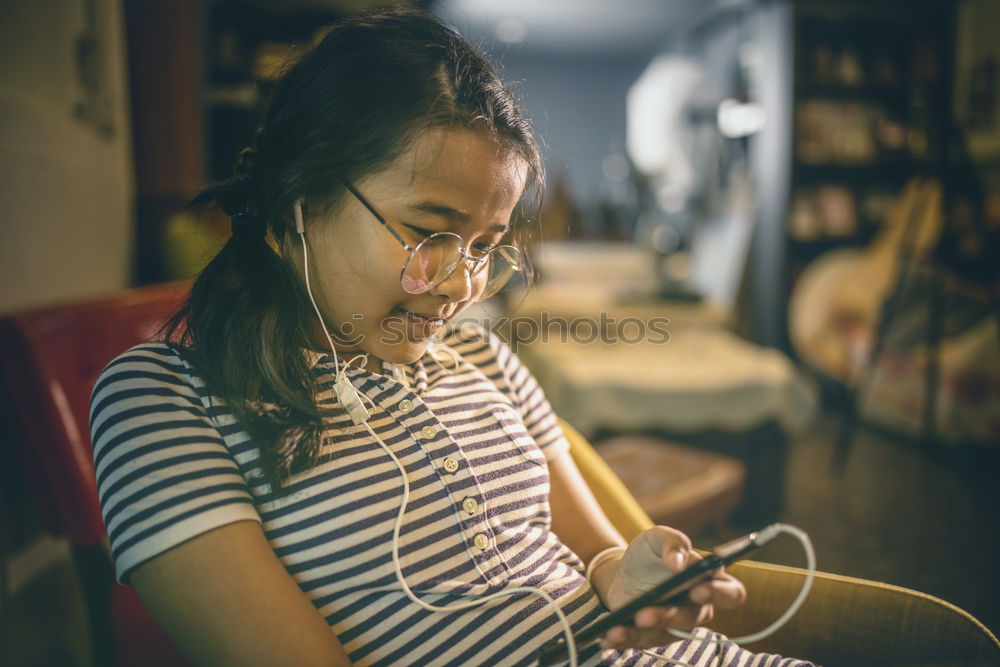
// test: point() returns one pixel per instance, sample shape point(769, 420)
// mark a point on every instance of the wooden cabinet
point(246, 44)
point(869, 103)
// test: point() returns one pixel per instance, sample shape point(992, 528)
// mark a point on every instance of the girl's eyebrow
point(442, 210)
point(450, 213)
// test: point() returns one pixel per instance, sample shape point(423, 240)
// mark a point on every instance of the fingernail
point(677, 558)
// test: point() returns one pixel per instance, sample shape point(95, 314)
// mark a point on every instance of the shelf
point(868, 84)
point(896, 172)
point(893, 95)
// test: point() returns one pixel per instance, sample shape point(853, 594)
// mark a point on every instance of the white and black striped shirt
point(473, 432)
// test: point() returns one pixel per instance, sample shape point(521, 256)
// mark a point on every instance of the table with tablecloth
point(686, 376)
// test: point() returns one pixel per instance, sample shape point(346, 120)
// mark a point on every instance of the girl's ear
point(300, 226)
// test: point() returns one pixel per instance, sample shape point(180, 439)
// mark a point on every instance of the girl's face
point(449, 180)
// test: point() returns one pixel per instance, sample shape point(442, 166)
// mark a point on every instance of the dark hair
point(346, 108)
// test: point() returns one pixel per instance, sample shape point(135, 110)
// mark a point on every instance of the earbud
point(300, 226)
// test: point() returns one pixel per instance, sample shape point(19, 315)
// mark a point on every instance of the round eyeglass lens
point(503, 261)
point(431, 262)
point(434, 259)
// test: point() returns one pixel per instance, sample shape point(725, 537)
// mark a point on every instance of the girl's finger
point(725, 591)
point(661, 540)
point(682, 617)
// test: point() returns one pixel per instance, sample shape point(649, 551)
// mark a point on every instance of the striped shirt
point(473, 432)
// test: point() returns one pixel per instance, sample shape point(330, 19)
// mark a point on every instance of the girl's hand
point(652, 557)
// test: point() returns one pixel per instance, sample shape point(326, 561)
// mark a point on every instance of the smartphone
point(671, 591)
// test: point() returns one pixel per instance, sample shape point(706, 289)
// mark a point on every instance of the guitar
point(835, 304)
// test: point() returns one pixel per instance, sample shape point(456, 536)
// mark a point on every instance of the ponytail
point(243, 329)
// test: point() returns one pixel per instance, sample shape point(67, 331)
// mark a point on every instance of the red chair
point(49, 362)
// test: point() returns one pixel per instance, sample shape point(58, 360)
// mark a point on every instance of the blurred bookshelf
point(246, 44)
point(868, 85)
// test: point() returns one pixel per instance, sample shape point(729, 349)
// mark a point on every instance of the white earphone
point(346, 393)
point(300, 226)
point(349, 398)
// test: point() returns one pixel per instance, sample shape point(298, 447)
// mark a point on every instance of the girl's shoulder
point(158, 369)
point(158, 357)
point(150, 352)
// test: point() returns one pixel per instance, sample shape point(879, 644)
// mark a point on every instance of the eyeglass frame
point(477, 262)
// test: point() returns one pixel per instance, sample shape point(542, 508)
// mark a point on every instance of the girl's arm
point(577, 518)
point(224, 598)
point(579, 521)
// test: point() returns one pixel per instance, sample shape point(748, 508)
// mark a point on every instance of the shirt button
point(470, 505)
point(481, 541)
point(405, 405)
point(450, 464)
point(428, 432)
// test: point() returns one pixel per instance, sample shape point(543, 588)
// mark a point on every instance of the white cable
point(364, 360)
point(567, 629)
point(436, 348)
point(322, 322)
point(764, 535)
point(807, 546)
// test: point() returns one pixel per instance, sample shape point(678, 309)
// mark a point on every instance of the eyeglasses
point(434, 259)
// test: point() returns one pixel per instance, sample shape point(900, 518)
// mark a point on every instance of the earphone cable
point(340, 377)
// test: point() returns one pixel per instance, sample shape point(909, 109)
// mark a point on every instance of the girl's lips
point(420, 326)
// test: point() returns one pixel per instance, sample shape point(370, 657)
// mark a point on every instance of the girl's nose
point(462, 284)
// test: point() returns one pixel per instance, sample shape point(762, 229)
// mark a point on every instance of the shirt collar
point(323, 361)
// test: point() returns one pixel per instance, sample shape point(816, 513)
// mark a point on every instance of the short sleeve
point(495, 358)
point(164, 474)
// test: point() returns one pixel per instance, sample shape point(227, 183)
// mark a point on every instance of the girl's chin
point(405, 353)
point(398, 353)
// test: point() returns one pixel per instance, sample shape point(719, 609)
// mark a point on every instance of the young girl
point(312, 468)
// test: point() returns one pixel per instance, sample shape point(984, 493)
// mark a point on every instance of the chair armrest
point(849, 621)
point(612, 495)
point(844, 621)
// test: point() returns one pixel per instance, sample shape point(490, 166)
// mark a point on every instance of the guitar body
point(835, 305)
point(834, 312)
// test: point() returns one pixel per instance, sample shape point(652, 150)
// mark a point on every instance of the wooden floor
point(924, 519)
point(927, 519)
